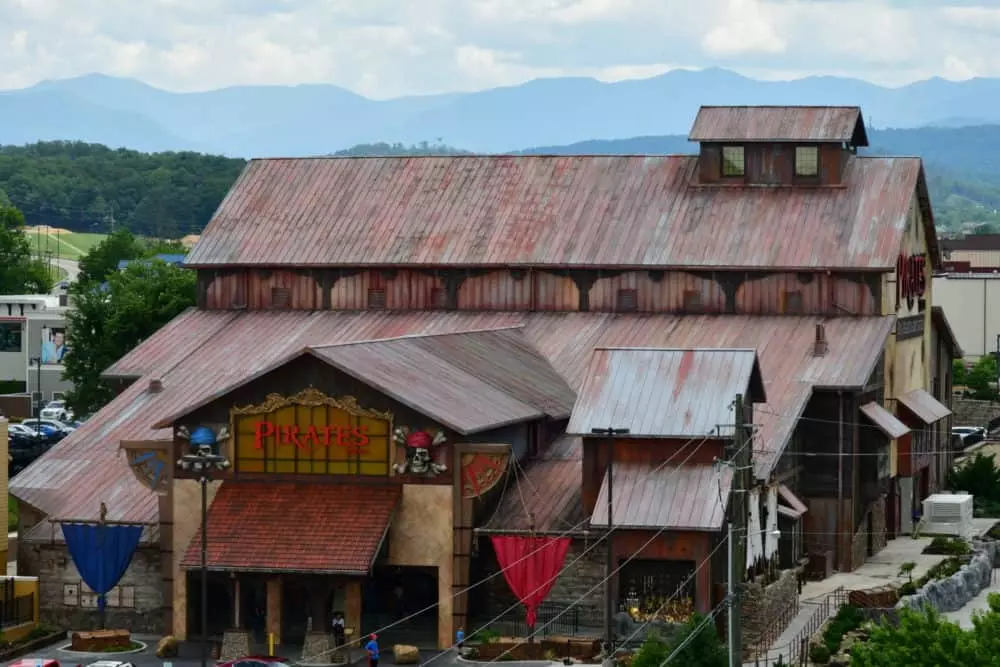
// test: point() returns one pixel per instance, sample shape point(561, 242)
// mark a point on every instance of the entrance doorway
point(220, 604)
point(392, 595)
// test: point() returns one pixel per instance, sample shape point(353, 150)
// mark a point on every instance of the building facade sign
point(911, 279)
point(910, 327)
point(311, 433)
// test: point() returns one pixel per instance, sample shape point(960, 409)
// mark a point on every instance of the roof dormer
point(777, 146)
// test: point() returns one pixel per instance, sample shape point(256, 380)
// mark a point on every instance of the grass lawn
point(11, 514)
point(69, 245)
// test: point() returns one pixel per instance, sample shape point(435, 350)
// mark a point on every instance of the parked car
point(53, 424)
point(110, 663)
point(256, 661)
point(35, 662)
point(58, 411)
point(24, 450)
point(969, 435)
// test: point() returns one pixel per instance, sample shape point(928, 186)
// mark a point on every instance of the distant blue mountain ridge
point(255, 121)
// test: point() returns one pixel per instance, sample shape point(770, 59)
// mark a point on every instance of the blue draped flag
point(101, 553)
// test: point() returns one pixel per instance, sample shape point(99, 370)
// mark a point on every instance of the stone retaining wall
point(764, 606)
point(956, 591)
point(974, 413)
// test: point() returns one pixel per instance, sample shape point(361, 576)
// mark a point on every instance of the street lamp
point(203, 460)
point(38, 404)
point(609, 648)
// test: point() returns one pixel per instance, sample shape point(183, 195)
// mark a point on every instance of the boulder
point(405, 655)
point(167, 647)
point(101, 641)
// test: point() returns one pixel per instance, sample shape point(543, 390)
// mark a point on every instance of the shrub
point(980, 476)
point(848, 619)
point(819, 654)
point(948, 546)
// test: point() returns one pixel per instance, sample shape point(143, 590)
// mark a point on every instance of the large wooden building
point(404, 356)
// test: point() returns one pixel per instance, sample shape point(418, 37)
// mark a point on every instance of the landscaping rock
point(100, 641)
point(405, 655)
point(167, 647)
point(956, 591)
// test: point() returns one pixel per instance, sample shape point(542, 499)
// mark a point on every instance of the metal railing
point(774, 630)
point(17, 610)
point(554, 619)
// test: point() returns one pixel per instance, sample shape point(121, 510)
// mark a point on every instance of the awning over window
point(289, 527)
point(793, 508)
point(885, 420)
point(924, 406)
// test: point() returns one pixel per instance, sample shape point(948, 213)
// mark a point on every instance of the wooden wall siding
point(404, 290)
point(304, 291)
point(694, 547)
point(820, 295)
point(771, 164)
point(497, 290)
point(663, 293)
point(224, 291)
point(554, 292)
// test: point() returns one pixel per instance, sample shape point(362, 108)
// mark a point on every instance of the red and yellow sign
point(311, 433)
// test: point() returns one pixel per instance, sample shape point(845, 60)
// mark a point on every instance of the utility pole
point(609, 607)
point(741, 460)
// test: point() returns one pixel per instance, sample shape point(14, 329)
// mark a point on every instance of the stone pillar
point(352, 608)
point(237, 621)
point(274, 608)
point(906, 505)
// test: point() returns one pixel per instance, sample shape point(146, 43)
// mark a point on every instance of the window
point(692, 301)
point(733, 164)
point(793, 303)
point(10, 336)
point(281, 297)
point(628, 301)
point(376, 298)
point(439, 297)
point(807, 161)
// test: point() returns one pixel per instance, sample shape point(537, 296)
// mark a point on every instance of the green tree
point(102, 260)
point(703, 649)
point(19, 273)
point(959, 374)
point(981, 379)
point(108, 322)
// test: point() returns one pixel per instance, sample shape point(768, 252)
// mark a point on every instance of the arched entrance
point(392, 594)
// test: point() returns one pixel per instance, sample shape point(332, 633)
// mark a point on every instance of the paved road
point(71, 267)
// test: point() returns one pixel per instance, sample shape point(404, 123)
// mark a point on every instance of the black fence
point(17, 610)
point(553, 619)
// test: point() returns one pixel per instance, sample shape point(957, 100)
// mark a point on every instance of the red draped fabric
point(530, 565)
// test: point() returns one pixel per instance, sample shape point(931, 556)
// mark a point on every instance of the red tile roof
point(75, 476)
point(288, 527)
point(820, 124)
point(562, 211)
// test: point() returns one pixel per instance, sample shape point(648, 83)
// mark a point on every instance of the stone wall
point(968, 412)
point(956, 591)
point(880, 538)
point(57, 576)
point(764, 606)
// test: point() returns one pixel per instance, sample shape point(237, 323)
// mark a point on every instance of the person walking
point(460, 639)
point(339, 632)
point(372, 648)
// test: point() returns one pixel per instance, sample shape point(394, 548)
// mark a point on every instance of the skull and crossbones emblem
point(418, 444)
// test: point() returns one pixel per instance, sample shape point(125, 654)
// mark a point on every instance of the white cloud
point(384, 48)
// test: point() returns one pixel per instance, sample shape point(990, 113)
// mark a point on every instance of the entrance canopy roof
point(291, 527)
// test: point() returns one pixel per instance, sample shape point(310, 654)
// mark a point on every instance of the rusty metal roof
point(664, 393)
point(780, 124)
point(71, 479)
point(924, 406)
point(884, 420)
point(650, 495)
point(556, 211)
point(469, 382)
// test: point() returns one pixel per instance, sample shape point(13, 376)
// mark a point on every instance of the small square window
point(733, 161)
point(793, 303)
point(692, 301)
point(628, 301)
point(439, 297)
point(806, 161)
point(376, 298)
point(281, 297)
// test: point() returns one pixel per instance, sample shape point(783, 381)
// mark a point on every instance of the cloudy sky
point(385, 48)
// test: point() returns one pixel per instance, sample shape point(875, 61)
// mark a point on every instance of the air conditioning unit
point(948, 514)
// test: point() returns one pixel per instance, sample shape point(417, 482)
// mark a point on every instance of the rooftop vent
point(155, 386)
point(820, 346)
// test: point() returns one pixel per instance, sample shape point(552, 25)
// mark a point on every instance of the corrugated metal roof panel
point(924, 406)
point(422, 379)
point(650, 495)
point(565, 211)
point(661, 393)
point(772, 123)
point(72, 478)
point(885, 420)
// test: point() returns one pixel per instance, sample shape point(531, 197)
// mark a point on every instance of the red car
point(249, 661)
point(35, 662)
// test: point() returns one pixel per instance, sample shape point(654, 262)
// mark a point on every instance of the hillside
point(303, 120)
point(83, 187)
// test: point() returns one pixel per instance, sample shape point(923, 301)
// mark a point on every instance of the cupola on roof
point(780, 124)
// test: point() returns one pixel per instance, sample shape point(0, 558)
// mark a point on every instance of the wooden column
point(352, 607)
point(237, 621)
point(274, 590)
